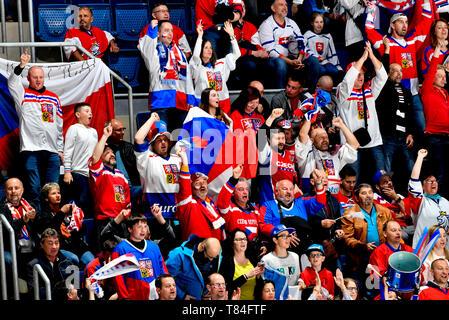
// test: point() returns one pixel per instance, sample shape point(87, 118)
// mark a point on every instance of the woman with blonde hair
point(438, 251)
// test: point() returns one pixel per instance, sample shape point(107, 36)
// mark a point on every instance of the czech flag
point(213, 149)
point(83, 81)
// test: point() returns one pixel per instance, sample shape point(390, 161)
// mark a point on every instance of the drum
point(404, 270)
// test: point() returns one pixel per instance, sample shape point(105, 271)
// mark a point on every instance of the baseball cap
point(157, 129)
point(395, 17)
point(279, 228)
point(284, 124)
point(379, 174)
point(315, 247)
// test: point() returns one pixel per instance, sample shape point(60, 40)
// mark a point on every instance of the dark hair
point(258, 289)
point(161, 22)
point(246, 95)
point(49, 233)
point(204, 105)
point(385, 226)
point(109, 245)
point(432, 36)
point(60, 291)
point(135, 218)
point(213, 59)
point(158, 281)
point(78, 106)
point(86, 8)
point(228, 245)
point(158, 4)
point(307, 292)
point(347, 171)
point(360, 186)
point(296, 77)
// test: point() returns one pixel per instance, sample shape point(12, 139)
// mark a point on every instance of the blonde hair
point(431, 255)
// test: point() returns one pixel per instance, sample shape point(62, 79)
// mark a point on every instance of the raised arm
point(99, 147)
point(143, 131)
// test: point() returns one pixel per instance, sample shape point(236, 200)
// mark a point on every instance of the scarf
point(172, 62)
point(435, 197)
point(211, 214)
point(17, 215)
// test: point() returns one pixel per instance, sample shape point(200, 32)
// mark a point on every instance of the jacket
point(356, 229)
point(182, 266)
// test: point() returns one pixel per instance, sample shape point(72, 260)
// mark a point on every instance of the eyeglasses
point(119, 129)
point(431, 181)
point(218, 285)
point(285, 236)
point(316, 255)
point(240, 239)
point(351, 288)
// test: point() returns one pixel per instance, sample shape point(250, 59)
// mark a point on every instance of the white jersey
point(40, 117)
point(158, 177)
point(322, 45)
point(275, 38)
point(352, 33)
point(426, 211)
point(79, 146)
point(350, 104)
point(213, 77)
point(309, 158)
point(289, 265)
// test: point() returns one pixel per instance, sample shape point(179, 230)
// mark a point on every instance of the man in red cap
point(197, 212)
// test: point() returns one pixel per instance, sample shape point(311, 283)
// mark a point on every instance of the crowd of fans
point(324, 208)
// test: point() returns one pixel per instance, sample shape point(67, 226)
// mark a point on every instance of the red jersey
point(95, 40)
point(379, 257)
point(326, 277)
point(433, 292)
point(428, 56)
point(247, 32)
point(247, 121)
point(236, 217)
point(110, 189)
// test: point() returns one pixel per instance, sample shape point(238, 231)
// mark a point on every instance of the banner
point(84, 81)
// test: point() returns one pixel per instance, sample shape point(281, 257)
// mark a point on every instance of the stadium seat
point(79, 3)
point(52, 21)
point(130, 19)
point(126, 63)
point(116, 2)
point(178, 16)
point(141, 118)
point(102, 13)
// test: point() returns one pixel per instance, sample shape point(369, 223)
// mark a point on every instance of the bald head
point(320, 139)
point(14, 191)
point(36, 77)
point(395, 73)
point(325, 83)
point(118, 130)
point(211, 247)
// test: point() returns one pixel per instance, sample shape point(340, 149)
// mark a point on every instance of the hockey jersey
point(403, 51)
point(310, 158)
point(215, 77)
point(326, 277)
point(428, 56)
point(248, 38)
point(159, 178)
point(95, 40)
point(246, 121)
point(139, 284)
point(322, 45)
point(110, 189)
point(170, 78)
point(275, 38)
point(350, 104)
point(40, 117)
point(236, 217)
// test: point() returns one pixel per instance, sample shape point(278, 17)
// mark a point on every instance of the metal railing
point(82, 49)
point(15, 276)
point(38, 271)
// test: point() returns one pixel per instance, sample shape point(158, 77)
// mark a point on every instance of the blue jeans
point(391, 145)
point(370, 160)
point(277, 72)
point(41, 167)
point(313, 69)
point(79, 192)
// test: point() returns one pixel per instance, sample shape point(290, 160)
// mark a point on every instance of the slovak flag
point(82, 81)
point(213, 149)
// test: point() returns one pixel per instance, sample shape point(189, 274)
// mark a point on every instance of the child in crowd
point(315, 253)
point(322, 47)
point(80, 141)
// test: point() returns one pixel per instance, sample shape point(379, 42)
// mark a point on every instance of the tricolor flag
point(213, 149)
point(84, 81)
